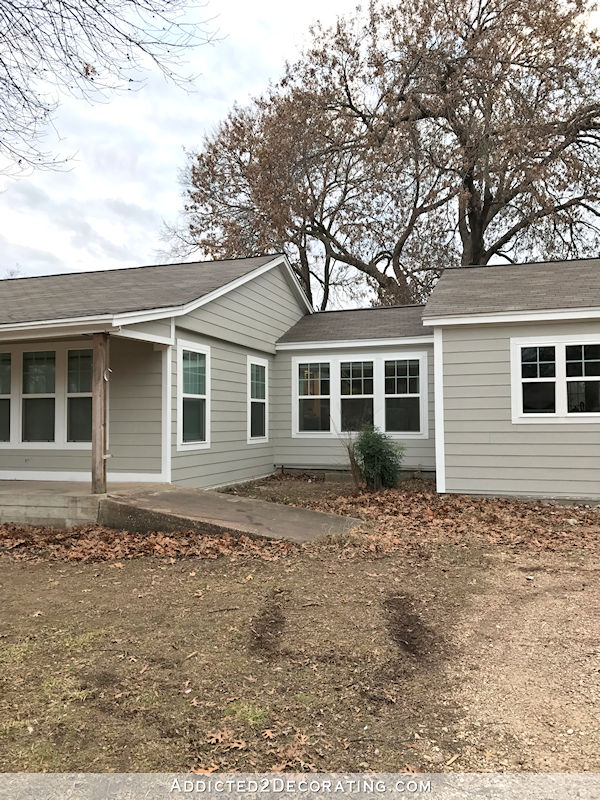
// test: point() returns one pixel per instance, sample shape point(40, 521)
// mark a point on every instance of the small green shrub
point(379, 458)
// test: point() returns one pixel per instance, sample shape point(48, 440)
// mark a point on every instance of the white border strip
point(337, 345)
point(113, 477)
point(438, 382)
point(167, 357)
point(552, 315)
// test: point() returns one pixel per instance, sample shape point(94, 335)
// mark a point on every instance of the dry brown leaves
point(94, 543)
point(397, 517)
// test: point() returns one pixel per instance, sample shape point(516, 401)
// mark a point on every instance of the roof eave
point(490, 318)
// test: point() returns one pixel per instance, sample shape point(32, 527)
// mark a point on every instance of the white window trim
point(335, 395)
point(69, 394)
point(561, 415)
point(60, 395)
point(194, 347)
point(260, 362)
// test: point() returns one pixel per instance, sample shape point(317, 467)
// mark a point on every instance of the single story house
point(204, 374)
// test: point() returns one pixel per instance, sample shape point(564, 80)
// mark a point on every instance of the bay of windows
point(337, 394)
point(557, 380)
point(46, 397)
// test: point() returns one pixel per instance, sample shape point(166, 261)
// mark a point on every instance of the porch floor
point(161, 507)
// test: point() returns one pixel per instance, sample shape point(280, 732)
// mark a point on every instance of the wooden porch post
point(100, 366)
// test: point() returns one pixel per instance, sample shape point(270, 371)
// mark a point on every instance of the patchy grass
point(447, 627)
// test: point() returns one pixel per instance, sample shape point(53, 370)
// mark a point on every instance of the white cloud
point(106, 209)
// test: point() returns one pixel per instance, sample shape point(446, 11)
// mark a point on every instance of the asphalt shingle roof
point(390, 322)
point(516, 287)
point(87, 294)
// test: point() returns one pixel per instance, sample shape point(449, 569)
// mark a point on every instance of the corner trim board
point(438, 384)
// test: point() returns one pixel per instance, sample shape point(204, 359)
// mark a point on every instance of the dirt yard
point(449, 634)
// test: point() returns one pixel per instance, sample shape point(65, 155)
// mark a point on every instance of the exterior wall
point(485, 452)
point(318, 451)
point(255, 315)
point(134, 422)
point(134, 408)
point(246, 321)
point(230, 458)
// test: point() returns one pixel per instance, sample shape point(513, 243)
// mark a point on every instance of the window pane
point(258, 413)
point(356, 377)
point(38, 419)
point(537, 362)
point(4, 373)
point(592, 351)
point(194, 419)
point(402, 414)
point(356, 413)
point(592, 368)
point(583, 360)
point(398, 381)
point(583, 397)
point(194, 372)
point(314, 415)
point(79, 419)
point(538, 398)
point(38, 373)
point(5, 420)
point(79, 371)
point(313, 379)
point(257, 382)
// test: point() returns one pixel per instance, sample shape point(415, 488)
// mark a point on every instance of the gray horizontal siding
point(255, 315)
point(135, 407)
point(330, 452)
point(49, 460)
point(230, 458)
point(484, 451)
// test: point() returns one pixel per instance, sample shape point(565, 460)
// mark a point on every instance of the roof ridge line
point(141, 266)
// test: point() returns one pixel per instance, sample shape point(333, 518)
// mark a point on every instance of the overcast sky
point(108, 209)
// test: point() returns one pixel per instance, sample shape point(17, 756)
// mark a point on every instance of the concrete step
point(59, 510)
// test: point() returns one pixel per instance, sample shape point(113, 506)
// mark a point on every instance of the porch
point(84, 409)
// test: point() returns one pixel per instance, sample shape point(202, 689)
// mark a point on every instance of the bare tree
point(411, 137)
point(84, 48)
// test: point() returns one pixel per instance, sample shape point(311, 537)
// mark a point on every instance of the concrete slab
point(170, 508)
point(146, 507)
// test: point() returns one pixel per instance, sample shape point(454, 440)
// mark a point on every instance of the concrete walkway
point(172, 508)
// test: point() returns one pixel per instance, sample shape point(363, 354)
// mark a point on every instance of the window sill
point(258, 440)
point(345, 434)
point(45, 445)
point(553, 419)
point(186, 446)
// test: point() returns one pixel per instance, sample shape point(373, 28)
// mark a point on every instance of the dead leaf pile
point(95, 543)
point(397, 517)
